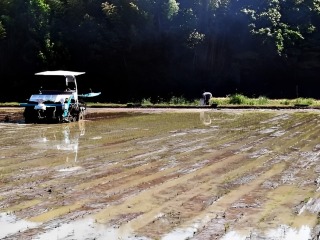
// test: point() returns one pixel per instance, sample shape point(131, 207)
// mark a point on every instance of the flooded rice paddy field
point(162, 174)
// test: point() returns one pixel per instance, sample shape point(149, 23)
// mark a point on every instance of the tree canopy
point(133, 49)
point(283, 22)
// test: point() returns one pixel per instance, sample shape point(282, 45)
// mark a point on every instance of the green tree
point(171, 8)
point(39, 28)
point(282, 22)
point(4, 16)
point(2, 31)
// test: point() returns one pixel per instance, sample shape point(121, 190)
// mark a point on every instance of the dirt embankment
point(15, 114)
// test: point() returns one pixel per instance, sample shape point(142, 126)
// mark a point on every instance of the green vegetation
point(231, 100)
point(141, 48)
point(305, 101)
point(239, 99)
point(279, 26)
point(9, 104)
point(173, 101)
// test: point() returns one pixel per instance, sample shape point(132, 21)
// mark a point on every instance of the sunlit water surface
point(58, 158)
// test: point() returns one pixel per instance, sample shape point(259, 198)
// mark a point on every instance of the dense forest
point(134, 49)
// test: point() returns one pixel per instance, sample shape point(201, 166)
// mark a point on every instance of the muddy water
point(213, 174)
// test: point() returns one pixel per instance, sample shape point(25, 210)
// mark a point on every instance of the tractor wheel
point(27, 120)
point(80, 116)
point(29, 115)
point(72, 118)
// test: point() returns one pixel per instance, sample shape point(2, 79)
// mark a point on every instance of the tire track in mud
point(239, 219)
point(49, 184)
point(139, 188)
point(126, 182)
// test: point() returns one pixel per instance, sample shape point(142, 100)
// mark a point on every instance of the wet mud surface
point(162, 174)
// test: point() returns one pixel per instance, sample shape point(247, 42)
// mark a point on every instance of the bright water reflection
point(283, 232)
point(85, 229)
point(9, 224)
point(88, 229)
point(129, 176)
point(65, 138)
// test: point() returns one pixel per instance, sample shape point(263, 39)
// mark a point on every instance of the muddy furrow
point(158, 178)
point(266, 205)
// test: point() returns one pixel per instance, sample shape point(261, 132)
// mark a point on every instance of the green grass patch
point(241, 100)
point(230, 100)
point(305, 101)
point(9, 104)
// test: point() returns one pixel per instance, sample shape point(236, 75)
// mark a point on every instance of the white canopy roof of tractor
point(60, 73)
point(70, 77)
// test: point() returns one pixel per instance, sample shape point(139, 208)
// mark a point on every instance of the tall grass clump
point(219, 101)
point(238, 99)
point(146, 101)
point(262, 100)
point(178, 101)
point(304, 101)
point(285, 102)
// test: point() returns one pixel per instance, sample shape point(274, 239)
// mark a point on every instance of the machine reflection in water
point(63, 138)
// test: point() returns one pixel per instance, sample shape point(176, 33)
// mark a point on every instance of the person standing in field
point(206, 97)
